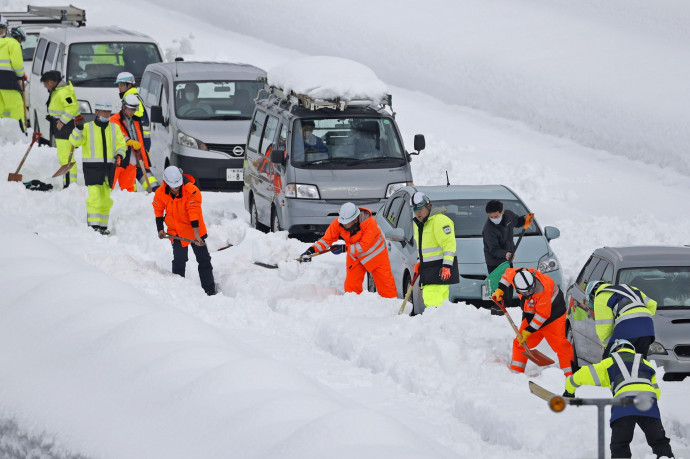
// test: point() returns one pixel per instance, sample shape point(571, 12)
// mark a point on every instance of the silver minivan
point(200, 114)
point(306, 158)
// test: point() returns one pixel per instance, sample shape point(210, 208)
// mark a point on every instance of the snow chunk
point(323, 77)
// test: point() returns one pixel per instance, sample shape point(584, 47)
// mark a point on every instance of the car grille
point(233, 150)
point(682, 350)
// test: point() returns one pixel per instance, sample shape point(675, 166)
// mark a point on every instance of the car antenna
point(178, 59)
point(447, 179)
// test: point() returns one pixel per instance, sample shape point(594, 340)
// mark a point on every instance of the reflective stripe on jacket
point(121, 120)
point(11, 58)
point(99, 147)
point(367, 246)
point(627, 374)
point(623, 311)
point(541, 307)
point(183, 212)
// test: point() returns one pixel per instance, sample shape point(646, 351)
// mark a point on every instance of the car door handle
point(389, 246)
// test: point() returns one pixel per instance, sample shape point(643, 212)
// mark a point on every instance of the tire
point(254, 216)
point(569, 335)
point(275, 222)
point(371, 287)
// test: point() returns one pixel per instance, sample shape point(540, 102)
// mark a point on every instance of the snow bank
point(321, 77)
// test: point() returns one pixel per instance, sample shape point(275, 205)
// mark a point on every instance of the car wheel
point(275, 223)
point(254, 216)
point(371, 287)
point(569, 335)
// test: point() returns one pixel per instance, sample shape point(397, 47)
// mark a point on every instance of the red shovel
point(534, 355)
point(16, 176)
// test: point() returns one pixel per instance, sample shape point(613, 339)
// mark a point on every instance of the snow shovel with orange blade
point(66, 167)
point(532, 354)
point(16, 176)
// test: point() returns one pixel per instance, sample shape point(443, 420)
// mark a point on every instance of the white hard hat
point(125, 77)
point(524, 282)
point(348, 212)
point(130, 101)
point(103, 104)
point(419, 200)
point(621, 343)
point(173, 176)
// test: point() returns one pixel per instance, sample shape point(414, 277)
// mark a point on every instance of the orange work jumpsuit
point(543, 314)
point(180, 212)
point(126, 177)
point(366, 252)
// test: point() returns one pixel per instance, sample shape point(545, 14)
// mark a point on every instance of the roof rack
point(312, 103)
point(47, 15)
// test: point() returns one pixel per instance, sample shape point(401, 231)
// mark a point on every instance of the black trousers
point(641, 346)
point(179, 264)
point(622, 430)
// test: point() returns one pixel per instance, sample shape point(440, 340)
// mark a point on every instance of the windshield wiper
point(91, 80)
point(228, 117)
point(330, 160)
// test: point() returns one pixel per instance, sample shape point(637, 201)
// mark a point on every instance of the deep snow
point(110, 355)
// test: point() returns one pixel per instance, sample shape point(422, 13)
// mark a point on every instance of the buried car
point(660, 272)
point(465, 205)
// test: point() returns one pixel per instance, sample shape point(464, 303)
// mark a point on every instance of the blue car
point(465, 205)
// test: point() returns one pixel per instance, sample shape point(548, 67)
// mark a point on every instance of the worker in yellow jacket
point(11, 73)
point(434, 234)
point(628, 375)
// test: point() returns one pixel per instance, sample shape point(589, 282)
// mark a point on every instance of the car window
point(282, 140)
point(405, 220)
point(164, 96)
point(587, 270)
point(60, 58)
point(669, 286)
point(144, 87)
point(50, 57)
point(469, 215)
point(98, 64)
point(153, 91)
point(40, 54)
point(256, 130)
point(608, 273)
point(393, 210)
point(216, 99)
point(598, 272)
point(269, 134)
point(29, 46)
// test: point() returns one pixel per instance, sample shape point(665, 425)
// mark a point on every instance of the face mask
point(496, 221)
point(103, 119)
point(189, 96)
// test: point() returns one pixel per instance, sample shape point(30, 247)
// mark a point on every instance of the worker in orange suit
point(543, 315)
point(365, 246)
point(131, 171)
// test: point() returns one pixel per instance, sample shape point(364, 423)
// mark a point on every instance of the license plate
point(234, 175)
point(485, 293)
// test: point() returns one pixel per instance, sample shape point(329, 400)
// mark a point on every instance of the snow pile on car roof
point(324, 77)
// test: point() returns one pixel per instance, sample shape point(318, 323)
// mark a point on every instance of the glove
point(25, 77)
point(79, 122)
point(567, 394)
point(134, 144)
point(528, 220)
point(118, 161)
point(445, 273)
point(338, 249)
point(49, 118)
point(497, 296)
point(525, 334)
point(161, 234)
point(416, 268)
point(306, 256)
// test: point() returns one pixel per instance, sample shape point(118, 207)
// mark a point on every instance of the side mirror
point(157, 114)
point(419, 143)
point(551, 232)
point(278, 156)
point(395, 234)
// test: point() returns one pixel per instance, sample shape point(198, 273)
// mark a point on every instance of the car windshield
point(29, 46)
point(215, 100)
point(469, 215)
point(669, 286)
point(98, 64)
point(341, 143)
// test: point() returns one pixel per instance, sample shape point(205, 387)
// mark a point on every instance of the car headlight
point(84, 107)
point(190, 142)
point(548, 263)
point(657, 348)
point(393, 187)
point(301, 191)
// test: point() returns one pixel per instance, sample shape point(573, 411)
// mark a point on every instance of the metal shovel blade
point(537, 357)
point(64, 169)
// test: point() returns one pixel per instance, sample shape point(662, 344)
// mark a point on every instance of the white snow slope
point(106, 354)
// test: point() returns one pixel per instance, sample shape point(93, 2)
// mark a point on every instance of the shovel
point(66, 167)
point(270, 266)
point(17, 177)
point(532, 354)
point(408, 294)
point(140, 161)
point(193, 241)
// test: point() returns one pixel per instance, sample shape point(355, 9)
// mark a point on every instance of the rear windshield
point(669, 286)
point(469, 216)
point(339, 143)
point(97, 64)
point(29, 47)
point(216, 100)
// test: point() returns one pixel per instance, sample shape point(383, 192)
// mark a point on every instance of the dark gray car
point(663, 274)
